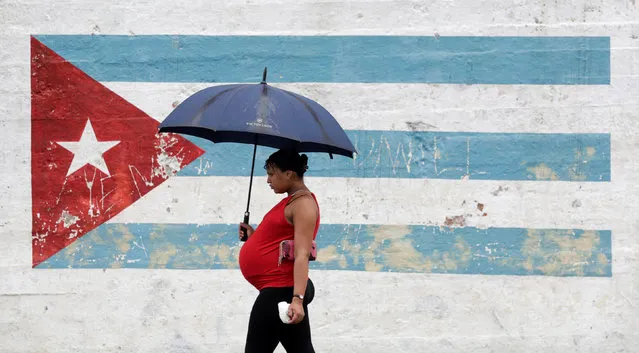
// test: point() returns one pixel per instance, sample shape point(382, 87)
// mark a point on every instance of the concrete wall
point(491, 207)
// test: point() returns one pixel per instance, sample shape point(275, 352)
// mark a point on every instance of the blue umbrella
point(259, 114)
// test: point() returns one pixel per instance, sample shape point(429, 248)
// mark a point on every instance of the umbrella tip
point(264, 76)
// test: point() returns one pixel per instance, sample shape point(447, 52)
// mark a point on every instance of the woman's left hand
point(296, 312)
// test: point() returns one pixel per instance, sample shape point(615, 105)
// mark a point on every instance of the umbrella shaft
point(251, 181)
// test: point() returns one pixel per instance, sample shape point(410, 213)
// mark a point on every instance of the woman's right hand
point(249, 230)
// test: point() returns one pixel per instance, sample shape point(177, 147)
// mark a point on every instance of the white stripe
point(365, 312)
point(523, 204)
point(477, 108)
point(319, 17)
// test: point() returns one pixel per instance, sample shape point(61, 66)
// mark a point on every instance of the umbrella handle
point(246, 220)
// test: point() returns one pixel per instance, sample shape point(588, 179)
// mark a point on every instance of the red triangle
point(63, 99)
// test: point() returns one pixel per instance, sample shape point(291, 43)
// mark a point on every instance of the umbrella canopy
point(259, 114)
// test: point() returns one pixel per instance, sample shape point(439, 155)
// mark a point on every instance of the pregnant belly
point(259, 266)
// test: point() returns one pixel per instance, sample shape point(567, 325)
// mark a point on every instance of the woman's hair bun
point(287, 159)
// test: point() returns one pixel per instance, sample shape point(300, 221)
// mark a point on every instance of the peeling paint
point(167, 164)
point(40, 237)
point(68, 219)
point(73, 233)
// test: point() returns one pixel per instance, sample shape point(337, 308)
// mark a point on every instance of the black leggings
point(266, 330)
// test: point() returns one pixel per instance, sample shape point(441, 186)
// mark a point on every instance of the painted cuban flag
point(424, 194)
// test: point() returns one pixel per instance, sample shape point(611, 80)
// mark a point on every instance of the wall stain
point(455, 221)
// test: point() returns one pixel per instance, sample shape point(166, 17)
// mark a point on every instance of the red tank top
point(259, 256)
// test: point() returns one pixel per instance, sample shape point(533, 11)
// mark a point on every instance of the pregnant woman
point(295, 218)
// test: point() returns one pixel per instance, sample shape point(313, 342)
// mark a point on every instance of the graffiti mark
point(467, 176)
point(384, 156)
point(436, 154)
point(419, 125)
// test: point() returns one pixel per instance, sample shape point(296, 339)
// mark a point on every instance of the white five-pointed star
point(88, 150)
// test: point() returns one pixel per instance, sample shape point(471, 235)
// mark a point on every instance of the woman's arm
point(304, 220)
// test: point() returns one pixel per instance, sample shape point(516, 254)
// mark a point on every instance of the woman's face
point(278, 180)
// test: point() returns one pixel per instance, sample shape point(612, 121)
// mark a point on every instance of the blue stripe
point(378, 248)
point(443, 155)
point(375, 59)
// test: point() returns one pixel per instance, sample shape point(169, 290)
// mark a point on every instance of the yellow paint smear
point(572, 256)
point(399, 252)
point(160, 257)
point(327, 254)
point(386, 232)
point(602, 261)
point(124, 239)
point(402, 255)
point(543, 172)
point(373, 266)
point(354, 251)
point(368, 257)
point(330, 254)
point(221, 254)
